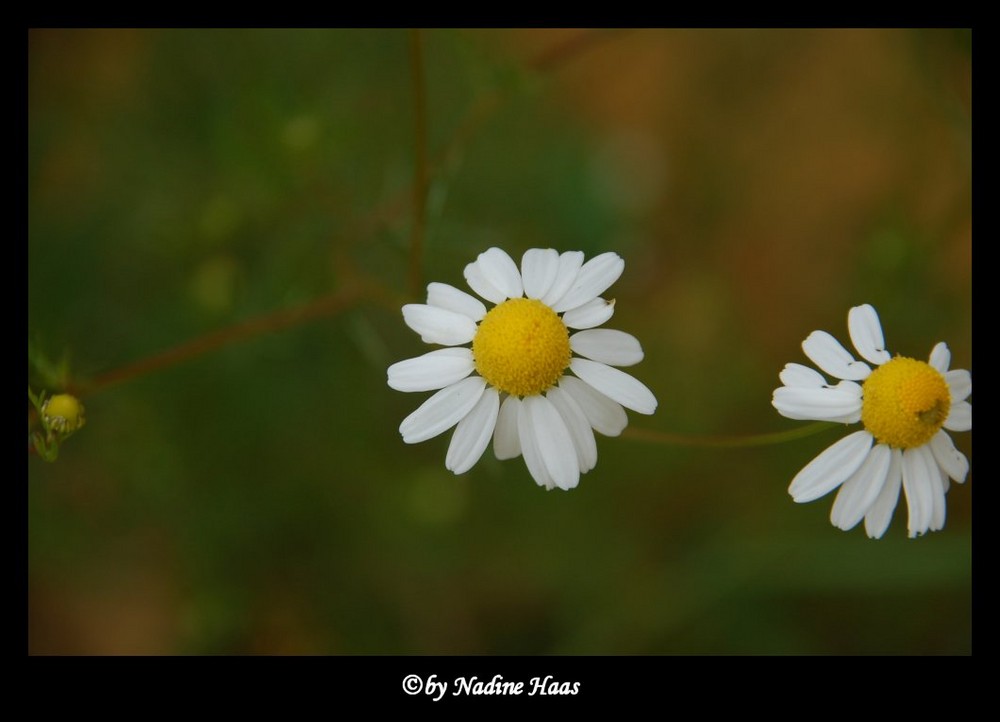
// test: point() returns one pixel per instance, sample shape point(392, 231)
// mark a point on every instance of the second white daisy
point(512, 384)
point(904, 406)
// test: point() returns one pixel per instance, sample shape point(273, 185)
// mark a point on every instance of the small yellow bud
point(63, 413)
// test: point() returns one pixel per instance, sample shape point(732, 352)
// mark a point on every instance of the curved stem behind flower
point(327, 305)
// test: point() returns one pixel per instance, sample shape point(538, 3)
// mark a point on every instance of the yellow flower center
point(521, 347)
point(905, 402)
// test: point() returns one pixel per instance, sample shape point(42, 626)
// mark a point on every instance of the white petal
point(500, 271)
point(939, 510)
point(442, 410)
point(606, 416)
point(616, 385)
point(959, 384)
point(578, 427)
point(919, 482)
point(959, 417)
point(590, 314)
point(951, 460)
point(554, 442)
point(799, 375)
point(940, 357)
point(827, 353)
point(478, 283)
point(506, 443)
point(840, 403)
point(433, 370)
point(608, 346)
point(866, 334)
point(880, 514)
point(473, 433)
point(831, 468)
point(569, 267)
point(594, 278)
point(539, 267)
point(448, 297)
point(438, 325)
point(862, 488)
point(529, 447)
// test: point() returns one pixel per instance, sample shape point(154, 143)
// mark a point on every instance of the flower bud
point(63, 413)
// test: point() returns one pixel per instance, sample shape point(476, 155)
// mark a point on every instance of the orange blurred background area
point(259, 499)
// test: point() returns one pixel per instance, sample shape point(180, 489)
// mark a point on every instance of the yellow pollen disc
point(521, 347)
point(905, 402)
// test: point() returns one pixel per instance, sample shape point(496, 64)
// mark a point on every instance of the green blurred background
point(259, 499)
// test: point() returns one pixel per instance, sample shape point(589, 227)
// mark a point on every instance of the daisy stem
point(420, 166)
point(725, 442)
point(324, 306)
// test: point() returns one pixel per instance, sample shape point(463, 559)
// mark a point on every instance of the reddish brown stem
point(268, 323)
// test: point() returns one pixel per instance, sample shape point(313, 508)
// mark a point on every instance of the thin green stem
point(420, 166)
point(725, 442)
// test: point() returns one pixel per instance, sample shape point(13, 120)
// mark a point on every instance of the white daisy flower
point(903, 405)
point(512, 385)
